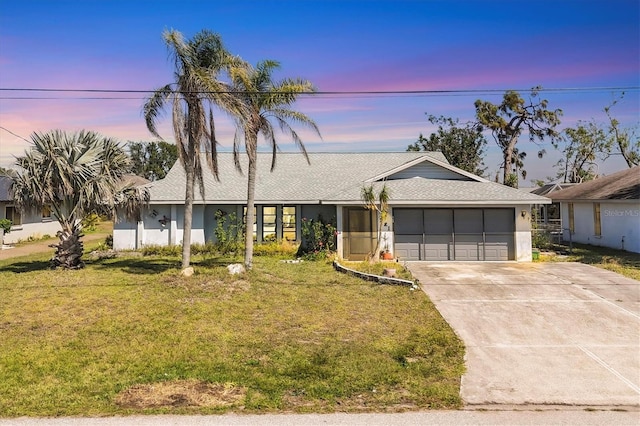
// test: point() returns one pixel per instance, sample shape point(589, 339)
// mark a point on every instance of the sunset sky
point(470, 49)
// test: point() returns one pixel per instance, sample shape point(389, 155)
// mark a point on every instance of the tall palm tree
point(196, 90)
point(264, 100)
point(73, 175)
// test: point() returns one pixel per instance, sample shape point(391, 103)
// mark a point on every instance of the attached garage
point(441, 234)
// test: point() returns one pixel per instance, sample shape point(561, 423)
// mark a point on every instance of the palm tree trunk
point(188, 213)
point(69, 250)
point(251, 189)
point(376, 251)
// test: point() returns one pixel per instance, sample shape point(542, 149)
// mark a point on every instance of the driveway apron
point(541, 333)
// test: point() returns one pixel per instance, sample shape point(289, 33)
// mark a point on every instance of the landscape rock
point(187, 272)
point(236, 268)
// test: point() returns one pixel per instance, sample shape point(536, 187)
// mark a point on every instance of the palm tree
point(73, 175)
point(380, 204)
point(196, 90)
point(264, 100)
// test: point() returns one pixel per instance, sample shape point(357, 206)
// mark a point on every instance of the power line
point(14, 134)
point(335, 93)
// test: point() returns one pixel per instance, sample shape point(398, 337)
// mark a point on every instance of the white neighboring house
point(604, 211)
point(25, 224)
point(437, 212)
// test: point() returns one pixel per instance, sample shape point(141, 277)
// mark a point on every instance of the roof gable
point(428, 168)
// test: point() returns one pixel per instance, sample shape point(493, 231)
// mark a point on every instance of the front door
point(360, 228)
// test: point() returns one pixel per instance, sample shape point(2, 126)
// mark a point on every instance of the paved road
point(541, 333)
point(454, 418)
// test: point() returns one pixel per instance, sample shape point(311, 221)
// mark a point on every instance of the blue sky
point(342, 45)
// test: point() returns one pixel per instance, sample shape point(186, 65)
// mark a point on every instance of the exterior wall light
point(163, 221)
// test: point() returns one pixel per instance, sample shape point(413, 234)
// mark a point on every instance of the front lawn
point(619, 261)
point(129, 335)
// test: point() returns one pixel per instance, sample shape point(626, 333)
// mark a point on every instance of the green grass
point(619, 261)
point(287, 337)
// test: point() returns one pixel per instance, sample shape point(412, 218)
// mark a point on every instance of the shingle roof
point(550, 187)
point(623, 185)
point(132, 180)
point(5, 188)
point(336, 177)
point(419, 190)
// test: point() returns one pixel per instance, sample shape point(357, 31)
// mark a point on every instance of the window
point(269, 223)
point(11, 213)
point(46, 213)
point(597, 225)
point(571, 223)
point(289, 223)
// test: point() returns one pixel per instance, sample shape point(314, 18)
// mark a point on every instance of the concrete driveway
point(541, 333)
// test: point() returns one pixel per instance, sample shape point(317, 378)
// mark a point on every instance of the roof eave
point(397, 203)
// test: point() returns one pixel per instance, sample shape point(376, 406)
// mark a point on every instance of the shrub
point(158, 250)
point(202, 249)
point(90, 222)
point(318, 238)
point(276, 249)
point(229, 235)
point(541, 238)
point(5, 225)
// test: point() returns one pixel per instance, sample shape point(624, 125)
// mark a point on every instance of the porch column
point(173, 229)
point(339, 244)
point(139, 235)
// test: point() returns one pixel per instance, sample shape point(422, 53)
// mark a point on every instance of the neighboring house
point(547, 216)
point(24, 224)
point(437, 211)
point(604, 211)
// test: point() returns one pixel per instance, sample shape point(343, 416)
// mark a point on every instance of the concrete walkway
point(453, 418)
point(540, 334)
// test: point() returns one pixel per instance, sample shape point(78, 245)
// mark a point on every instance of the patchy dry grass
point(181, 393)
point(129, 335)
point(622, 262)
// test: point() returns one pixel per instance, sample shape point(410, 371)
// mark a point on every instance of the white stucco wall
point(197, 224)
point(33, 225)
point(154, 232)
point(523, 234)
point(150, 230)
point(125, 235)
point(33, 229)
point(620, 224)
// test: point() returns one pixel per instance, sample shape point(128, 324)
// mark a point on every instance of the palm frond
point(153, 107)
point(73, 174)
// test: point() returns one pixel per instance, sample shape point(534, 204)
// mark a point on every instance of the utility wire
point(346, 93)
point(14, 134)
